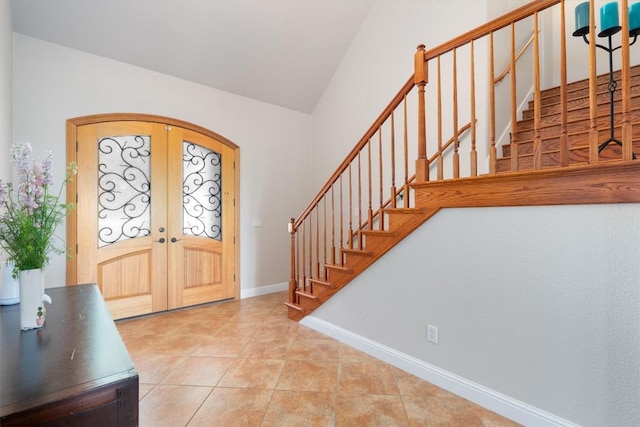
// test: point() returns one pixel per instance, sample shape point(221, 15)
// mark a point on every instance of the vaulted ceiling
point(283, 52)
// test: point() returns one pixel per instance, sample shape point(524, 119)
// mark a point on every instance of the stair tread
point(602, 91)
point(360, 252)
point(293, 305)
point(573, 127)
point(339, 267)
point(378, 233)
point(406, 211)
point(322, 283)
point(306, 294)
point(570, 113)
point(601, 79)
point(572, 149)
point(577, 105)
point(576, 128)
point(571, 119)
point(574, 140)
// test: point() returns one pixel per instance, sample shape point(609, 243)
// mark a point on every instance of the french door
point(155, 218)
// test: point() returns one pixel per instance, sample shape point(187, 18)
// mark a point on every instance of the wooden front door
point(155, 222)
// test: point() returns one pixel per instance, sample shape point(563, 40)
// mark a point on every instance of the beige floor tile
point(300, 408)
point(134, 326)
point(199, 371)
point(253, 373)
point(152, 368)
point(221, 310)
point(309, 375)
point(313, 349)
point(305, 332)
point(201, 327)
point(138, 344)
point(440, 411)
point(369, 410)
point(366, 377)
point(410, 385)
point(171, 405)
point(222, 346)
point(177, 342)
point(279, 326)
point(244, 363)
point(144, 389)
point(253, 313)
point(491, 419)
point(233, 407)
point(238, 328)
point(350, 354)
point(168, 323)
point(267, 347)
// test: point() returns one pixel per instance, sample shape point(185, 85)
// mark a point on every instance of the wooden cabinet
point(75, 370)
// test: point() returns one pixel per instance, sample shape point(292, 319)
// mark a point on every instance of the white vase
point(32, 299)
point(9, 286)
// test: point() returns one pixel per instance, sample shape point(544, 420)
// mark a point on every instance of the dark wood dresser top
point(77, 350)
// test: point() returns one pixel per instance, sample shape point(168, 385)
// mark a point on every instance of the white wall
point(377, 64)
point(6, 68)
point(578, 50)
point(545, 308)
point(541, 304)
point(6, 97)
point(53, 83)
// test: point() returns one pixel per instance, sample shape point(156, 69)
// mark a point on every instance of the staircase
point(402, 221)
point(374, 244)
point(577, 126)
point(372, 202)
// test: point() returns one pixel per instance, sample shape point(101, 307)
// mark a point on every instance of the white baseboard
point(263, 290)
point(506, 406)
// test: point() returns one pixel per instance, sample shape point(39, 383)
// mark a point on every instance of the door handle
point(173, 240)
point(162, 240)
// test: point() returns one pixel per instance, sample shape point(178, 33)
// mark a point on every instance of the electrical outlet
point(432, 334)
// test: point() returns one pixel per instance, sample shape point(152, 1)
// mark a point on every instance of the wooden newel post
point(420, 79)
point(293, 286)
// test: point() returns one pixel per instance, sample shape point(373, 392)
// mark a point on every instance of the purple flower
point(29, 217)
point(20, 153)
point(47, 168)
point(4, 192)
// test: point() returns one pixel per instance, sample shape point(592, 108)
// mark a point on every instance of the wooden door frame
point(72, 220)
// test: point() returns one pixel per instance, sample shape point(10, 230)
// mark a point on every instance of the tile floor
point(243, 363)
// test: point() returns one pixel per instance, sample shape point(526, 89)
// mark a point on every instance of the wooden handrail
point(491, 26)
point(395, 102)
point(519, 54)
